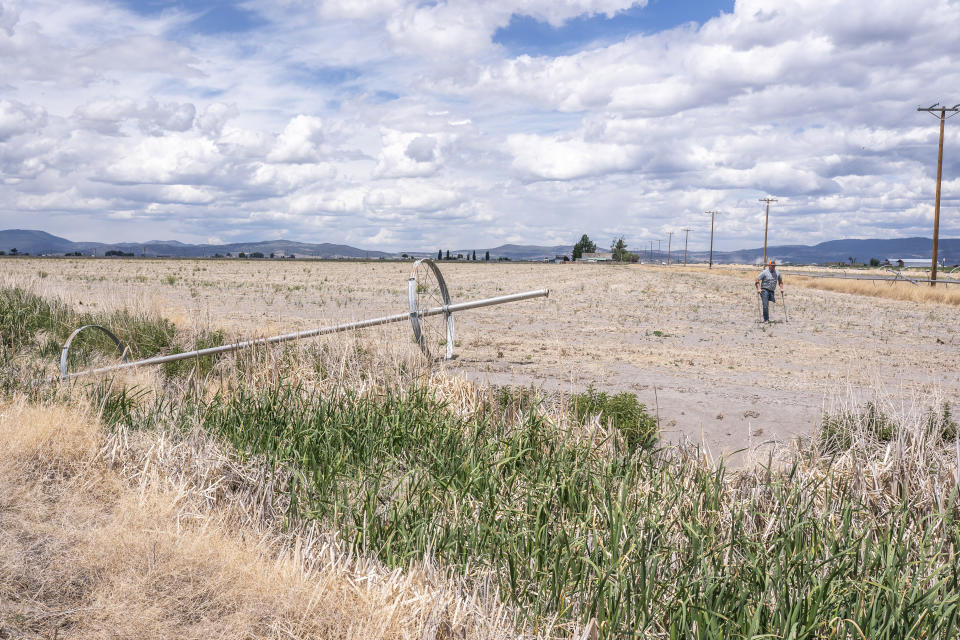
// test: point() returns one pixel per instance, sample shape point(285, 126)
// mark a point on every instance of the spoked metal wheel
point(429, 299)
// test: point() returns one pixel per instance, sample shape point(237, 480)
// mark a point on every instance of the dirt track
point(685, 340)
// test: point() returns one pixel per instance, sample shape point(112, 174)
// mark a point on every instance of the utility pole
point(659, 252)
point(686, 240)
point(669, 244)
point(650, 255)
point(766, 224)
point(713, 215)
point(936, 207)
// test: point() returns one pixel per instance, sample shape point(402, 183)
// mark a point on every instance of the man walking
point(767, 283)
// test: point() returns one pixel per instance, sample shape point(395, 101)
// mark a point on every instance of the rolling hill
point(37, 242)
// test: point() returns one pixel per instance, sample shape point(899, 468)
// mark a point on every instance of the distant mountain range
point(37, 242)
point(860, 250)
point(42, 243)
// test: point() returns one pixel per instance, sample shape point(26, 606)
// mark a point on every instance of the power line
point(936, 207)
point(669, 244)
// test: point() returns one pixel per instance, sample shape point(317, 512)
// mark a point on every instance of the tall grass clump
point(36, 327)
point(849, 427)
point(653, 543)
point(622, 410)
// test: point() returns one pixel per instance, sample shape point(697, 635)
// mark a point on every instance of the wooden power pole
point(686, 240)
point(936, 207)
point(713, 216)
point(669, 244)
point(766, 225)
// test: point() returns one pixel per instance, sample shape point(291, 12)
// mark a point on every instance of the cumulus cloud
point(427, 132)
point(406, 196)
point(156, 119)
point(17, 118)
point(214, 116)
point(422, 149)
point(175, 158)
point(286, 178)
point(557, 159)
point(301, 141)
point(9, 16)
point(107, 116)
point(334, 201)
point(408, 155)
point(459, 29)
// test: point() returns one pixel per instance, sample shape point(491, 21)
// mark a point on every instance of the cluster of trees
point(119, 254)
point(257, 254)
point(584, 245)
point(853, 262)
point(14, 252)
point(459, 256)
point(618, 248)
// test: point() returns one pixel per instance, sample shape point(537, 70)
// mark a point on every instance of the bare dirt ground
point(685, 340)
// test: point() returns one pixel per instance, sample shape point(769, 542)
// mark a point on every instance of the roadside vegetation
point(551, 509)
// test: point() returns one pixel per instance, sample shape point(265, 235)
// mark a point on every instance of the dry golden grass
point(948, 294)
point(944, 294)
point(148, 536)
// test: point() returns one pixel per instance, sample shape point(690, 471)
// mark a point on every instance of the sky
point(416, 125)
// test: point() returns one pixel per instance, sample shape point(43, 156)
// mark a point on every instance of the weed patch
point(33, 325)
point(622, 410)
point(649, 542)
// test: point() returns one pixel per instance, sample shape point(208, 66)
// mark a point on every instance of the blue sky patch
point(180, 88)
point(213, 16)
point(326, 76)
point(226, 18)
point(527, 35)
point(384, 96)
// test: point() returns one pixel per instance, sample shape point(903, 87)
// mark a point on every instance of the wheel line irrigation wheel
point(427, 291)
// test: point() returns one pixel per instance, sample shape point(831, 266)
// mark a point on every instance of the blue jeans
point(767, 296)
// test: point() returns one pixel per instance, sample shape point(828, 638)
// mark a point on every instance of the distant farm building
point(909, 262)
point(599, 256)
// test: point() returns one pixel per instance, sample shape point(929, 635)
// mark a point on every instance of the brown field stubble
point(141, 536)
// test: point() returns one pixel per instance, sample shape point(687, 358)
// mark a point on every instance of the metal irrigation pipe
point(338, 328)
point(880, 278)
point(899, 276)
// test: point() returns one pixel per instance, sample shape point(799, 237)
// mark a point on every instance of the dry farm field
point(685, 340)
point(634, 456)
